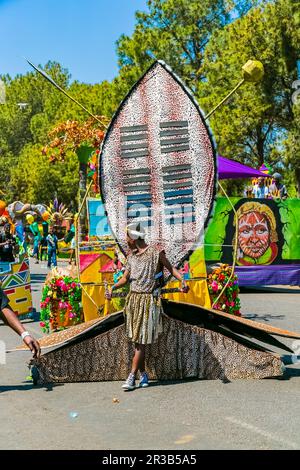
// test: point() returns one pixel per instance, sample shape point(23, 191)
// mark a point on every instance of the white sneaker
point(130, 382)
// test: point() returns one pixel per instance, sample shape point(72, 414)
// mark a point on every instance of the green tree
point(24, 131)
point(253, 124)
point(35, 180)
point(292, 152)
point(176, 31)
point(20, 125)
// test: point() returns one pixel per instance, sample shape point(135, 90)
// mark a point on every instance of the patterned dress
point(142, 308)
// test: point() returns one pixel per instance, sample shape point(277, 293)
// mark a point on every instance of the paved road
point(182, 415)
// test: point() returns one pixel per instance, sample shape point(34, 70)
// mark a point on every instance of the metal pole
point(225, 99)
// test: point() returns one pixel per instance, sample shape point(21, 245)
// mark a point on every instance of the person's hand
point(33, 345)
point(184, 288)
point(108, 294)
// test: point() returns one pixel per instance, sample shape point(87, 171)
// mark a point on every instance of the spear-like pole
point(58, 87)
point(50, 79)
point(253, 71)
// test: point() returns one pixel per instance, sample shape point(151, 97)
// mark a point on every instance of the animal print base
point(182, 351)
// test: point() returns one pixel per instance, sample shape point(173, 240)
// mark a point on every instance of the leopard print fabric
point(182, 351)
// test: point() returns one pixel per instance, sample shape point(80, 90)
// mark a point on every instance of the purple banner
point(269, 275)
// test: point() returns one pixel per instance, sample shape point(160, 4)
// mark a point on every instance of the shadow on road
point(267, 317)
point(183, 381)
point(28, 386)
point(291, 372)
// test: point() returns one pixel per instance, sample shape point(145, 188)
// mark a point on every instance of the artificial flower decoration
point(61, 303)
point(229, 301)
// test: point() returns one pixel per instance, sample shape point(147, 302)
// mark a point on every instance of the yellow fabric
point(91, 273)
point(198, 293)
point(197, 263)
point(90, 311)
point(97, 293)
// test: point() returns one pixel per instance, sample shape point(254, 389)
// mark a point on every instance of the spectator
point(52, 247)
point(248, 192)
point(260, 191)
point(8, 245)
point(278, 190)
point(43, 248)
point(71, 237)
point(36, 247)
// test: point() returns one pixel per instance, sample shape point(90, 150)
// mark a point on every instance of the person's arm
point(122, 282)
point(16, 247)
point(11, 319)
point(284, 193)
point(266, 192)
point(166, 263)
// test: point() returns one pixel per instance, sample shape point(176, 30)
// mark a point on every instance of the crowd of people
point(276, 190)
point(37, 245)
point(45, 247)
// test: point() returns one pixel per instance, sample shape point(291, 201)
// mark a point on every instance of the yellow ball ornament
point(253, 71)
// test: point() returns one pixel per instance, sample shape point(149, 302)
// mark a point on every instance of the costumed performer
point(143, 307)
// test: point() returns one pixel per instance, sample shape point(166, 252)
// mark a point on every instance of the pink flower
point(73, 285)
point(231, 304)
point(63, 304)
point(42, 324)
point(214, 286)
point(47, 300)
point(71, 315)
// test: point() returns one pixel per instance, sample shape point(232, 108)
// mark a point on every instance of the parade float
point(158, 168)
point(269, 256)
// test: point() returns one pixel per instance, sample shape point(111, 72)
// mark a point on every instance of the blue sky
point(80, 34)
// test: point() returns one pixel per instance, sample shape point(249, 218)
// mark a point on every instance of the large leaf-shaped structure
point(157, 165)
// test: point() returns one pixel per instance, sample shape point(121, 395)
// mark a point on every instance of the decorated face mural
point(253, 234)
point(257, 236)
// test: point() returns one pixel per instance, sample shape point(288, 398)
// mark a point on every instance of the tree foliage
point(33, 107)
point(252, 125)
point(206, 43)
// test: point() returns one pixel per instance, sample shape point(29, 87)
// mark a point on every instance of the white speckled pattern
point(160, 98)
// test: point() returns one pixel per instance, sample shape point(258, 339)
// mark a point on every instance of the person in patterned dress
point(143, 308)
